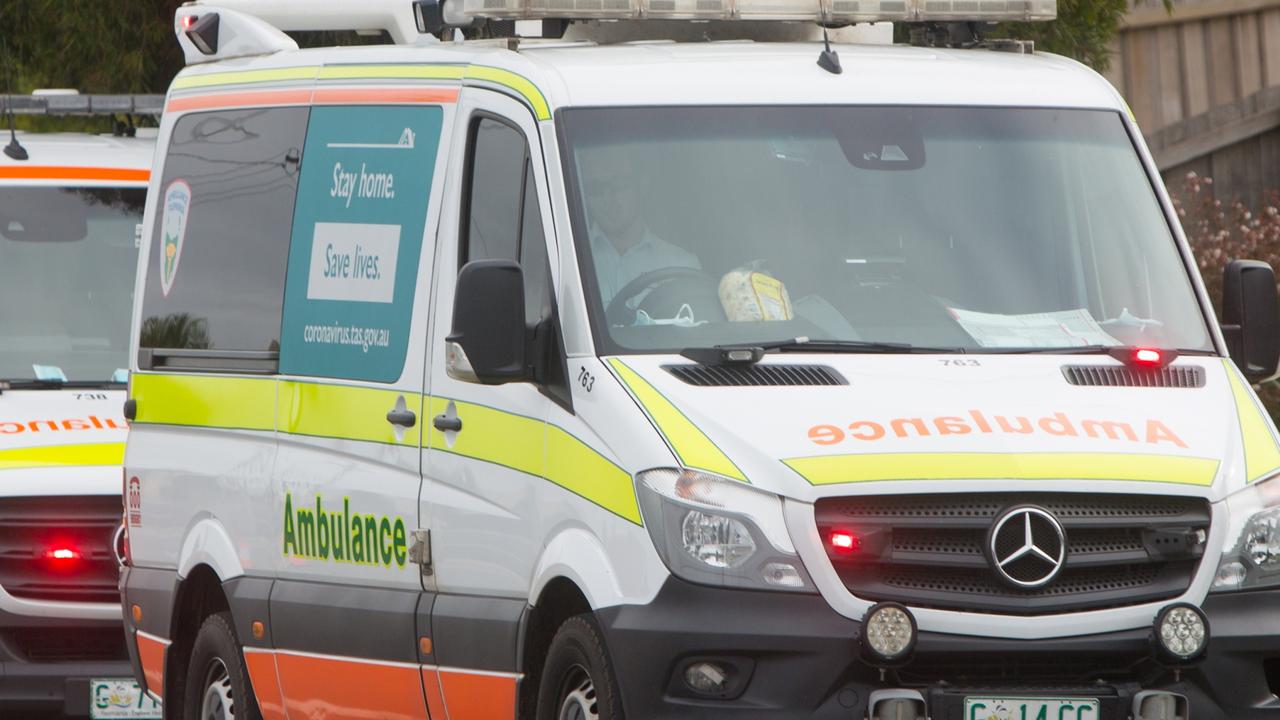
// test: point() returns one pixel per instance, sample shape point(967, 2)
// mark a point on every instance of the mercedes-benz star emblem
point(1028, 547)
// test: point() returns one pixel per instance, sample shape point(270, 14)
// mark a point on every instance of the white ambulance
point(70, 207)
point(561, 379)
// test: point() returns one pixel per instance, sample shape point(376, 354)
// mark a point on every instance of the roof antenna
point(14, 149)
point(828, 59)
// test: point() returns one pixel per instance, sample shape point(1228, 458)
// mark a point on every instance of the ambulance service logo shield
point(173, 230)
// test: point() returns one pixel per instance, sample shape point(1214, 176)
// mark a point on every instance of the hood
point(61, 441)
point(927, 423)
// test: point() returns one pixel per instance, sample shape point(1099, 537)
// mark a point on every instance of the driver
point(622, 245)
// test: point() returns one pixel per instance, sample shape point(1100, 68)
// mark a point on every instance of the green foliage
point(122, 46)
point(1084, 30)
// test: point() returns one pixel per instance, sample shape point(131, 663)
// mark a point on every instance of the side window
point(493, 203)
point(533, 252)
point(215, 276)
point(357, 240)
point(503, 221)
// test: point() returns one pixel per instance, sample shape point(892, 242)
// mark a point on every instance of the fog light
point(888, 634)
point(1159, 705)
point(1181, 633)
point(706, 678)
point(781, 574)
point(896, 704)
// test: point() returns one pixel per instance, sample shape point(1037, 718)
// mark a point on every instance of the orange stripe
point(43, 172)
point(239, 99)
point(266, 684)
point(435, 699)
point(478, 697)
point(151, 655)
point(316, 687)
point(372, 96)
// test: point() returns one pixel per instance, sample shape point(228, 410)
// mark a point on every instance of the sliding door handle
point(445, 423)
point(403, 418)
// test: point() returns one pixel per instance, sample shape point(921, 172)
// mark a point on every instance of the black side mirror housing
point(487, 343)
point(1251, 318)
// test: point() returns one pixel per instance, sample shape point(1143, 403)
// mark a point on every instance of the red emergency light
point(844, 541)
point(1146, 357)
point(62, 553)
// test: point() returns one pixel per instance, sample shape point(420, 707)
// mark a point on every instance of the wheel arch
point(199, 595)
point(208, 543)
point(560, 599)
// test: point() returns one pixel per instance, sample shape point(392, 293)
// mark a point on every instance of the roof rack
point(76, 104)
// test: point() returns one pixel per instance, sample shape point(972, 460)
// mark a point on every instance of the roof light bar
point(71, 104)
point(831, 11)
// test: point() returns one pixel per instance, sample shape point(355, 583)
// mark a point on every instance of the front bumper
point(46, 663)
point(795, 657)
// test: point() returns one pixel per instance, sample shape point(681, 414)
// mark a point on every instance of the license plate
point(1028, 708)
point(120, 698)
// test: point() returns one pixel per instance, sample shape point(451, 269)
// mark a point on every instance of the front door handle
point(403, 418)
point(444, 423)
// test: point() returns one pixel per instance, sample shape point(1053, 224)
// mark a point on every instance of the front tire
point(578, 682)
point(217, 686)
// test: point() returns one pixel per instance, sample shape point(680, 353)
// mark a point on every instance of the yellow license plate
point(1029, 708)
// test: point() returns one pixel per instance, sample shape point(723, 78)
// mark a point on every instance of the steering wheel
point(616, 313)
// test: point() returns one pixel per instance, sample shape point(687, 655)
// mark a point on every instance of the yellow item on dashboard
point(752, 296)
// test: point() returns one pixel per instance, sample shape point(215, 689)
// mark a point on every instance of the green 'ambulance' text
point(344, 536)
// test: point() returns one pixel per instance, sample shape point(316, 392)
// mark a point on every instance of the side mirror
point(487, 344)
point(1251, 318)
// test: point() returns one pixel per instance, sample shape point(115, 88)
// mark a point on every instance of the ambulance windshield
point(67, 263)
point(968, 228)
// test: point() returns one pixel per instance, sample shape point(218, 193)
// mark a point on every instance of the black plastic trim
point(155, 592)
point(347, 620)
point(252, 362)
point(249, 598)
point(479, 633)
point(807, 666)
point(761, 374)
point(1181, 376)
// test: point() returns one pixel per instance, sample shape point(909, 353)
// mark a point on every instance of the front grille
point(930, 550)
point(31, 526)
point(761, 374)
point(68, 644)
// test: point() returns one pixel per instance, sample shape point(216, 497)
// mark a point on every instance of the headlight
point(1252, 560)
point(717, 531)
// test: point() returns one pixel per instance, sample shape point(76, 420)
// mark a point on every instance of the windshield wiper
point(751, 353)
point(51, 384)
point(1071, 350)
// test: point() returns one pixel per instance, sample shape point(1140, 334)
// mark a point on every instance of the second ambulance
point(70, 204)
